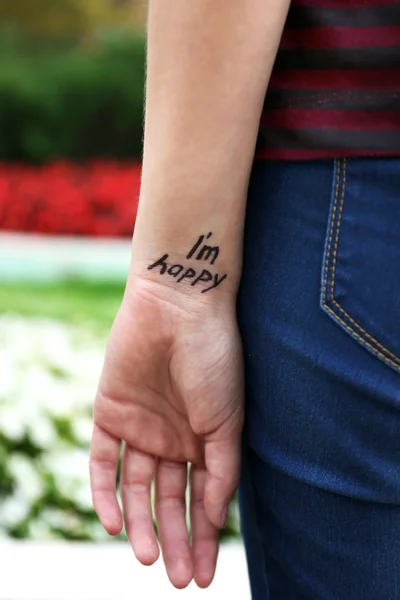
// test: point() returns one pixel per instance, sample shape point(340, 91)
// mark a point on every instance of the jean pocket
point(361, 265)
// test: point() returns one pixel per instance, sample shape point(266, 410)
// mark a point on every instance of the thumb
point(222, 458)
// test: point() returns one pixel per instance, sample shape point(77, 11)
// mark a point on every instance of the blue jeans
point(319, 311)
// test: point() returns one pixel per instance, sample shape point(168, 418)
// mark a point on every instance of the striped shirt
point(335, 88)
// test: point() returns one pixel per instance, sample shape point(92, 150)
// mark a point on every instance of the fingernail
point(224, 516)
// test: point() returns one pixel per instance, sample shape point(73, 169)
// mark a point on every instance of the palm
point(171, 388)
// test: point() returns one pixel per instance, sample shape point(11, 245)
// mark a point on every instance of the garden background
point(71, 112)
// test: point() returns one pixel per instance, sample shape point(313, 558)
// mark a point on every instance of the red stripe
point(340, 37)
point(320, 118)
point(338, 79)
point(340, 3)
point(312, 154)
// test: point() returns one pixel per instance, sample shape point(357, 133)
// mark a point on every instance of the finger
point(104, 457)
point(222, 458)
point(170, 507)
point(137, 474)
point(205, 536)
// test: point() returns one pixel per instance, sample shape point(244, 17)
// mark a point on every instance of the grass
point(80, 302)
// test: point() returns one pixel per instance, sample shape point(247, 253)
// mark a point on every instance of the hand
point(172, 390)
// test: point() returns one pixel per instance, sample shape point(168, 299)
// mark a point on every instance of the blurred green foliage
point(73, 103)
point(79, 302)
point(71, 18)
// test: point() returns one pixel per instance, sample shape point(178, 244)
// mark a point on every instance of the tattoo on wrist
point(197, 276)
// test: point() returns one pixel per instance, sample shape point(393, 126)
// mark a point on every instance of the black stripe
point(332, 139)
point(343, 100)
point(340, 58)
point(348, 16)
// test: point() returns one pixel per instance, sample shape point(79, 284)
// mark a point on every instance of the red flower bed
point(96, 199)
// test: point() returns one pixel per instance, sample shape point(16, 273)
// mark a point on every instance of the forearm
point(208, 68)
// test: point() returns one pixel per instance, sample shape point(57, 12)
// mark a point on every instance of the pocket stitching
point(330, 237)
point(396, 360)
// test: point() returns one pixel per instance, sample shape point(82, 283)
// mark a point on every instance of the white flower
point(14, 509)
point(49, 374)
point(89, 365)
point(42, 433)
point(69, 467)
point(26, 477)
point(7, 373)
point(94, 530)
point(39, 529)
point(59, 519)
point(83, 496)
point(11, 426)
point(82, 428)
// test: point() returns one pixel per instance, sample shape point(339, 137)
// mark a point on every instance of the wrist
point(172, 279)
point(197, 274)
point(187, 302)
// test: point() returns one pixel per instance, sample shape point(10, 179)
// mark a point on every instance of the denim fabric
point(319, 311)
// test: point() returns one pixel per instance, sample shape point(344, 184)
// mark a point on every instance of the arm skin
point(209, 63)
point(171, 388)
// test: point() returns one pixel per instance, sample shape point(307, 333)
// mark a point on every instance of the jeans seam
point(331, 232)
point(330, 264)
point(338, 224)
